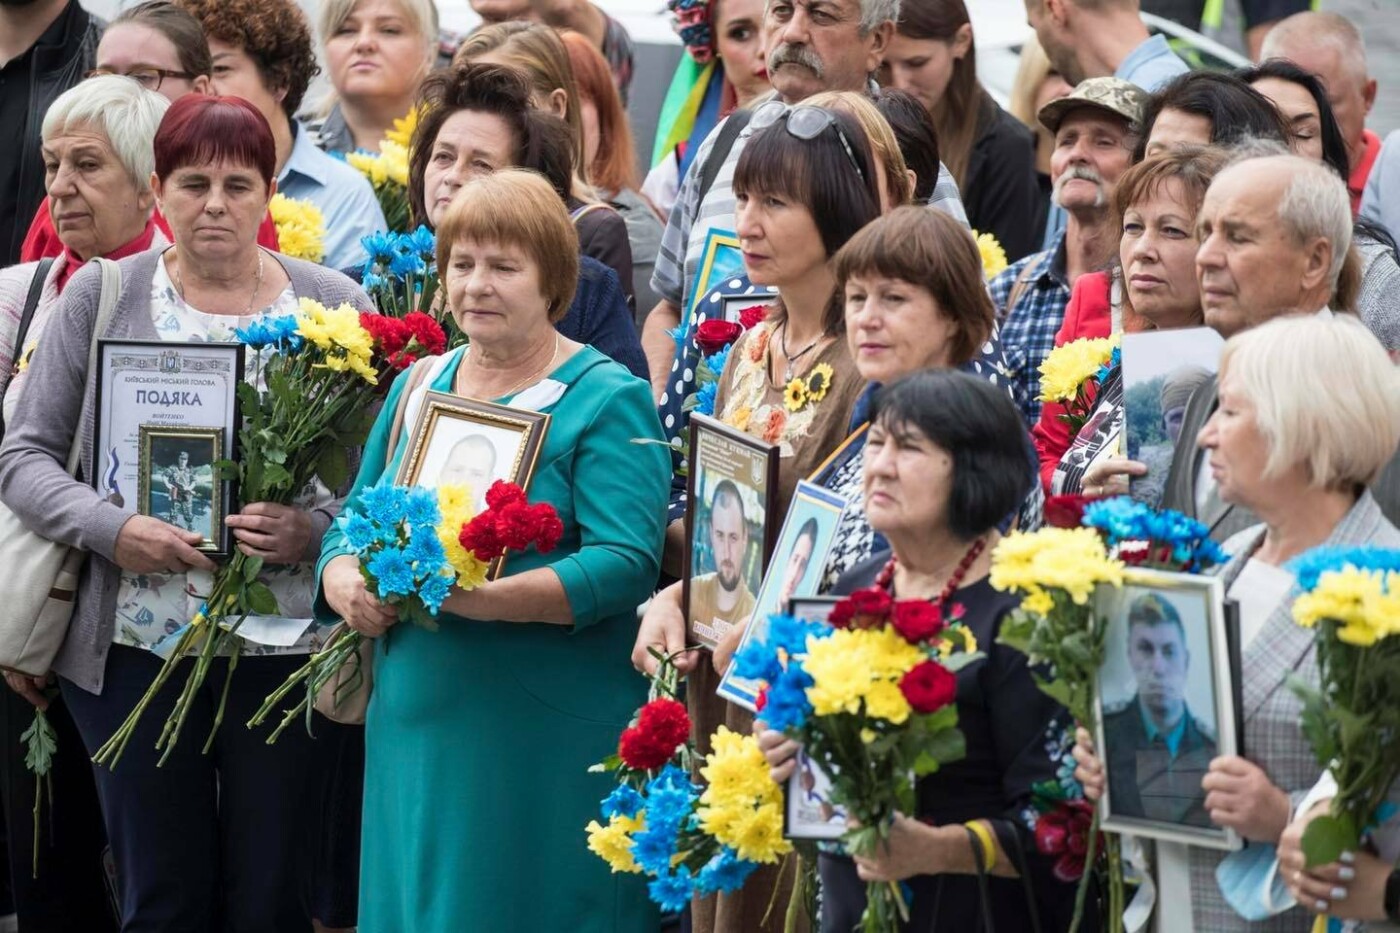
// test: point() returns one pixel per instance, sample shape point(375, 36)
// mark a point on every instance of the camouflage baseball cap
point(1114, 95)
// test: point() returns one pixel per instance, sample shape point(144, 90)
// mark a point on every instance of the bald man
point(1331, 47)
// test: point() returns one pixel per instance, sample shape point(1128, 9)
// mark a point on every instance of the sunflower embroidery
point(795, 396)
point(819, 382)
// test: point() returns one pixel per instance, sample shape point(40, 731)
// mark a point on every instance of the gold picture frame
point(178, 482)
point(477, 443)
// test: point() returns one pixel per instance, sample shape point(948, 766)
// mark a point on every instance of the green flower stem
point(111, 751)
point(223, 696)
point(1091, 856)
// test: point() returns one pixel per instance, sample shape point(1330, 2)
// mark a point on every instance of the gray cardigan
point(53, 407)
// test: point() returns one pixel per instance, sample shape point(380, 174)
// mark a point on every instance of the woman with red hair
point(611, 159)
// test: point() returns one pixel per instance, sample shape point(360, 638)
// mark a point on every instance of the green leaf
point(252, 566)
point(957, 662)
point(276, 476)
point(1327, 837)
point(258, 598)
point(41, 743)
point(333, 467)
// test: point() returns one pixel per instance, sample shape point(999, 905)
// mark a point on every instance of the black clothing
point(1001, 194)
point(1013, 735)
point(28, 85)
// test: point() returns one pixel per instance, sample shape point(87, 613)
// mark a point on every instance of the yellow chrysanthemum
point(855, 665)
point(885, 700)
point(457, 508)
point(395, 158)
point(403, 129)
point(337, 332)
point(742, 807)
point(795, 395)
point(993, 256)
point(1360, 601)
point(613, 843)
point(369, 165)
point(819, 382)
point(1068, 367)
point(301, 228)
point(1068, 559)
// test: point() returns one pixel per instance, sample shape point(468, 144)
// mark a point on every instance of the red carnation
point(479, 536)
point(917, 620)
point(427, 332)
point(1064, 832)
point(666, 721)
point(1065, 511)
point(502, 494)
point(929, 687)
point(388, 333)
point(751, 316)
point(640, 751)
point(713, 336)
point(548, 527)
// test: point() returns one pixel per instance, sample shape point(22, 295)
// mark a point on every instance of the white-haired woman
point(98, 160)
point(377, 53)
point(1302, 461)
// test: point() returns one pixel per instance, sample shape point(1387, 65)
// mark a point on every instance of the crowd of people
point(853, 152)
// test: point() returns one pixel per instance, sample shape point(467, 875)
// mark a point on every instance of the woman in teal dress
point(479, 735)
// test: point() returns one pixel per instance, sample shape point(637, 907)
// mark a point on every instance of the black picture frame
point(751, 466)
point(160, 493)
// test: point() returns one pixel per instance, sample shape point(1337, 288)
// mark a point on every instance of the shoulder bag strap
point(26, 316)
point(106, 307)
point(724, 142)
point(1018, 288)
point(416, 375)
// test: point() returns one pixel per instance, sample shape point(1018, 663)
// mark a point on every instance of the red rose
point(841, 614)
point(1064, 832)
point(502, 494)
point(666, 721)
point(1051, 836)
point(713, 336)
point(751, 316)
point(868, 607)
point(917, 620)
point(1065, 511)
point(929, 687)
point(640, 751)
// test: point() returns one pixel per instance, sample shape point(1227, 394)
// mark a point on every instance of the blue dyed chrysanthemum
point(360, 532)
point(715, 361)
point(672, 892)
point(705, 398)
point(392, 572)
point(1314, 563)
point(433, 591)
point(425, 551)
point(725, 872)
point(420, 508)
point(422, 243)
point(668, 807)
point(787, 707)
point(383, 505)
point(380, 247)
point(623, 801)
point(653, 847)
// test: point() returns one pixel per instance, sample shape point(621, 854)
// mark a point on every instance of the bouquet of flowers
point(414, 545)
point(1057, 570)
point(321, 367)
point(387, 170)
point(1071, 373)
point(687, 840)
point(1351, 599)
point(301, 228)
point(401, 277)
point(870, 697)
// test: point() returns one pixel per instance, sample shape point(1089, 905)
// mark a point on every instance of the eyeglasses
point(804, 122)
point(148, 78)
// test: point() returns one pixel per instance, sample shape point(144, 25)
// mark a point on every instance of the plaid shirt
point(1028, 330)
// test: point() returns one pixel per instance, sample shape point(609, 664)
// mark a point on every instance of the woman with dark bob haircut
point(475, 119)
point(1302, 104)
point(224, 840)
point(945, 462)
point(804, 185)
point(1203, 108)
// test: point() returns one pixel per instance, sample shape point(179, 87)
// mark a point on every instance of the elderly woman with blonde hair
point(1301, 460)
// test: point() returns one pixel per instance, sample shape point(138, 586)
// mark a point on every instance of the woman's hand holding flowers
point(149, 545)
point(1088, 769)
point(346, 593)
point(780, 751)
point(1350, 889)
point(1240, 796)
point(911, 849)
point(663, 630)
point(279, 534)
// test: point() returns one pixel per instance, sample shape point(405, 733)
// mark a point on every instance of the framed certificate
point(730, 527)
point(168, 389)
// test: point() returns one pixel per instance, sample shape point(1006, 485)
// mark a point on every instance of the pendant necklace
point(528, 380)
point(794, 357)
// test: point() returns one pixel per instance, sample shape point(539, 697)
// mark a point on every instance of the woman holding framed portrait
point(1301, 461)
point(479, 735)
point(944, 464)
point(225, 833)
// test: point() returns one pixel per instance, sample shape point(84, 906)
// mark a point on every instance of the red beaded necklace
point(885, 580)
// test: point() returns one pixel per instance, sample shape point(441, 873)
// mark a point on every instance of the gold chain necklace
point(528, 380)
point(257, 285)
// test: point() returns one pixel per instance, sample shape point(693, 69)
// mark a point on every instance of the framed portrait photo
point(1167, 704)
point(460, 441)
point(178, 482)
point(721, 259)
point(808, 811)
point(730, 527)
point(149, 387)
point(795, 570)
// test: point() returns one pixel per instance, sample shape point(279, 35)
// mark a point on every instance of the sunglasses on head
point(804, 122)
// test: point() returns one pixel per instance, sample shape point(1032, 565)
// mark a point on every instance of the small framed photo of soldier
point(809, 812)
point(795, 570)
point(460, 441)
point(730, 527)
point(1166, 705)
point(178, 482)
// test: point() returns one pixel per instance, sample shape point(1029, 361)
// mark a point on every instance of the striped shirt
point(683, 242)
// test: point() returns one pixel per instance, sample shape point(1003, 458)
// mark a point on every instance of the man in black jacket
point(46, 46)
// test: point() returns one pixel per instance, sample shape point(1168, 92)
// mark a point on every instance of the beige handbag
point(40, 583)
point(345, 697)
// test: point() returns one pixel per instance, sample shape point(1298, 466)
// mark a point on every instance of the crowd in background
point(854, 153)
